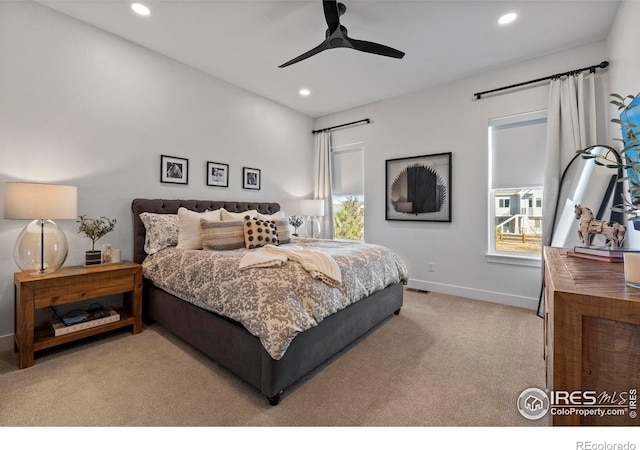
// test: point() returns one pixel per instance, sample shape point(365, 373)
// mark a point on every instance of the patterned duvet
point(274, 303)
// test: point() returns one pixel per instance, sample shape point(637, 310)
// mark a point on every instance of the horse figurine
point(613, 231)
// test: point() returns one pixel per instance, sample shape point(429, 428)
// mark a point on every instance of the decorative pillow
point(226, 215)
point(258, 233)
point(227, 235)
point(189, 234)
point(162, 231)
point(284, 232)
point(274, 216)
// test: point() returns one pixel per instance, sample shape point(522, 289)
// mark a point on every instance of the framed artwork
point(250, 178)
point(174, 170)
point(418, 188)
point(217, 174)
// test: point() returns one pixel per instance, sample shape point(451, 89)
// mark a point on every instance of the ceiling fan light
point(141, 9)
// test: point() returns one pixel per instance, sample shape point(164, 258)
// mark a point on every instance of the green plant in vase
point(296, 222)
point(94, 229)
point(630, 153)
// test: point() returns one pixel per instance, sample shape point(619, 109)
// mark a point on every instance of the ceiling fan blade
point(324, 46)
point(331, 14)
point(377, 49)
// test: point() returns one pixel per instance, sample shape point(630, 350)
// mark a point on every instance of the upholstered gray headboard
point(162, 206)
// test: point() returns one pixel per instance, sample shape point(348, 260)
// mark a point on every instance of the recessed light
point(507, 18)
point(304, 92)
point(141, 9)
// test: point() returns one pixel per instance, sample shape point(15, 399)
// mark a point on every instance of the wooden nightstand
point(73, 284)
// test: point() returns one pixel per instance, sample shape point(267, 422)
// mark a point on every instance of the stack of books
point(606, 254)
point(81, 320)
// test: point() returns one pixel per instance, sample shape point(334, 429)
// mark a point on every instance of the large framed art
point(418, 188)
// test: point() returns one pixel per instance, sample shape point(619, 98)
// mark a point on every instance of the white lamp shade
point(40, 201)
point(312, 207)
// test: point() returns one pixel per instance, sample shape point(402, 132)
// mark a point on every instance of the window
point(516, 174)
point(347, 185)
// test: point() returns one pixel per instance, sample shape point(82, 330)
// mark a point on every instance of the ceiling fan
point(336, 37)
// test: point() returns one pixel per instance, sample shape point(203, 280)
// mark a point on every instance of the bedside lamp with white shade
point(42, 246)
point(312, 209)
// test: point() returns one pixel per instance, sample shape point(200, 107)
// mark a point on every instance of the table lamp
point(312, 209)
point(42, 246)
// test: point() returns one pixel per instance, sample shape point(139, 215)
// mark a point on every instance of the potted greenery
point(296, 222)
point(94, 229)
point(630, 155)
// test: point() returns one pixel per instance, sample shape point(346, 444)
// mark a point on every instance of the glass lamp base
point(41, 248)
point(312, 228)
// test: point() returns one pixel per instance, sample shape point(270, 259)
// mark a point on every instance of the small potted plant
point(94, 229)
point(296, 222)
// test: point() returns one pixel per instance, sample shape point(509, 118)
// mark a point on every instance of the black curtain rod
point(340, 126)
point(592, 69)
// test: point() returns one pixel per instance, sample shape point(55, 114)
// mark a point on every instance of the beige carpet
point(444, 361)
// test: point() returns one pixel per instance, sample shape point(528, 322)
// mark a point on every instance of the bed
point(228, 341)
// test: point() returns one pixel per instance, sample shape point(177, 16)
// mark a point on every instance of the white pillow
point(274, 216)
point(189, 232)
point(226, 215)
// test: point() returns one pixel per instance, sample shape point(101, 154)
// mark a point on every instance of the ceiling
point(243, 42)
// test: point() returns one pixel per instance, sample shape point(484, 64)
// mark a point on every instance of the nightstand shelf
point(43, 336)
point(68, 285)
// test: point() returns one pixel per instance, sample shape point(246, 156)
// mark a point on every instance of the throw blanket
point(274, 303)
point(319, 265)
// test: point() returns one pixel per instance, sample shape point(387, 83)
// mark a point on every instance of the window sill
point(516, 260)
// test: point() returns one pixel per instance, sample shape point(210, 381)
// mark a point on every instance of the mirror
point(586, 183)
point(591, 185)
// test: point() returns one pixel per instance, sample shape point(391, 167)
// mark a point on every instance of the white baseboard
point(476, 294)
point(6, 342)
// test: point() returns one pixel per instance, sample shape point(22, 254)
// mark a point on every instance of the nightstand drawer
point(85, 289)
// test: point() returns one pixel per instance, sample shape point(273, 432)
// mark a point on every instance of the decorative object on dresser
point(250, 178)
point(94, 229)
point(606, 254)
point(418, 188)
point(174, 170)
point(591, 344)
point(42, 246)
point(312, 209)
point(296, 222)
point(588, 226)
point(217, 174)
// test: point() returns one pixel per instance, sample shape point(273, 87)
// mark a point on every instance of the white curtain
point(571, 126)
point(322, 188)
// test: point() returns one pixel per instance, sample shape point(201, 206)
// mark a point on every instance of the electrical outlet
point(431, 267)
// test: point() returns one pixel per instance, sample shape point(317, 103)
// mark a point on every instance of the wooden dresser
point(592, 333)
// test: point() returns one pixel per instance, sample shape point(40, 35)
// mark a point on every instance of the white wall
point(624, 77)
point(448, 119)
point(80, 106)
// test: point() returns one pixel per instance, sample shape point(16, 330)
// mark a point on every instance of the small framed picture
point(217, 174)
point(174, 170)
point(250, 178)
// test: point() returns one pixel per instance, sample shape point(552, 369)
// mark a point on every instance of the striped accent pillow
point(284, 233)
point(227, 235)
